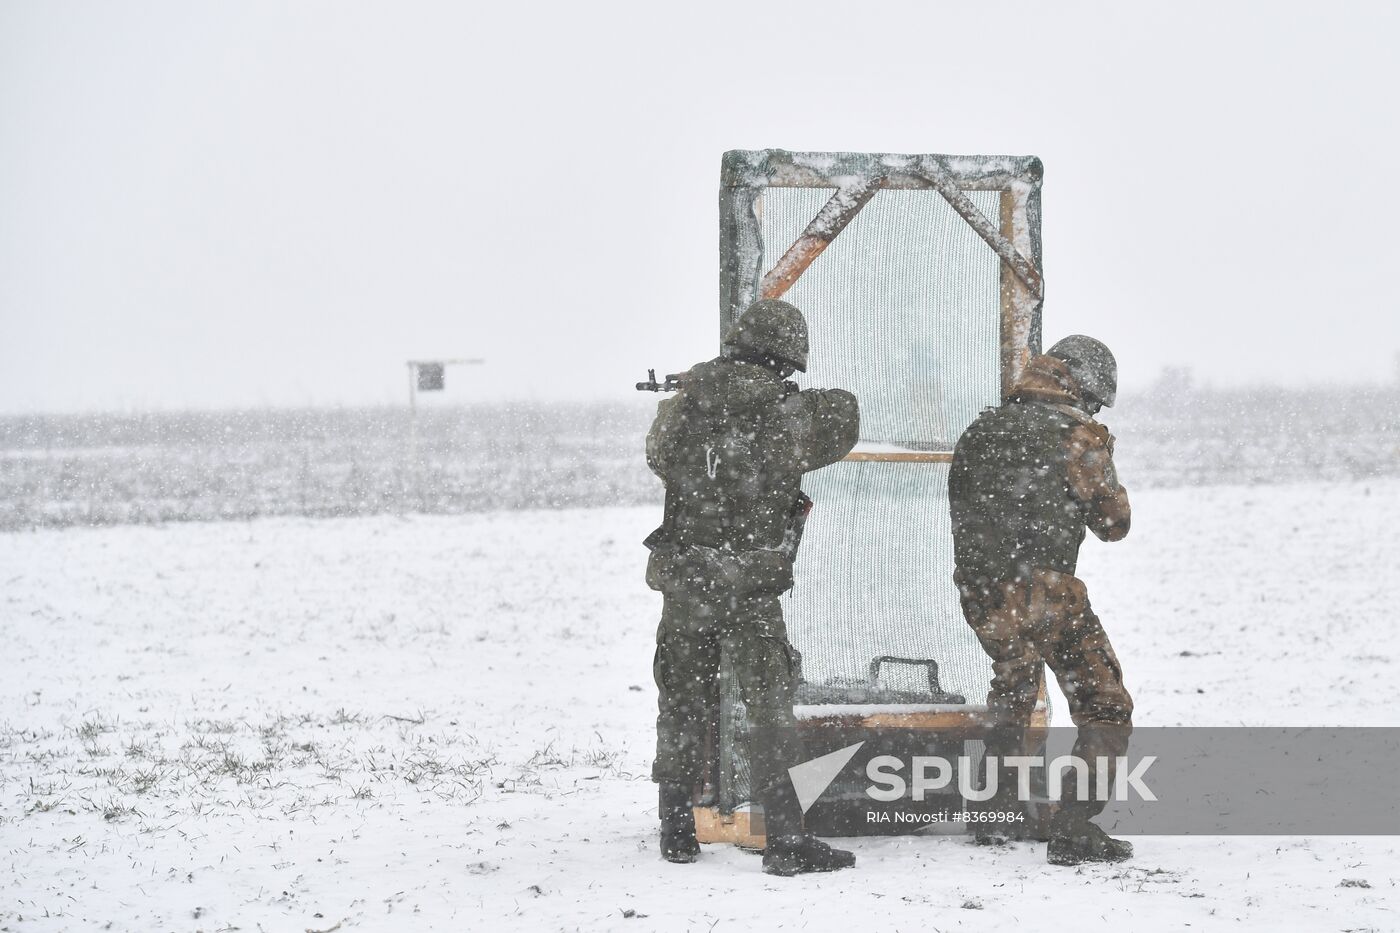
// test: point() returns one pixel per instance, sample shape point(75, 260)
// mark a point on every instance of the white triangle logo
point(811, 778)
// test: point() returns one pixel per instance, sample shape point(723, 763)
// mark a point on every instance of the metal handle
point(934, 688)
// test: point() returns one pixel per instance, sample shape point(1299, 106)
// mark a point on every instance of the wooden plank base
point(744, 827)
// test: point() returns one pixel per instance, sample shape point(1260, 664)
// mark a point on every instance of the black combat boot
point(1074, 840)
point(789, 849)
point(1005, 832)
point(802, 853)
point(1005, 818)
point(677, 825)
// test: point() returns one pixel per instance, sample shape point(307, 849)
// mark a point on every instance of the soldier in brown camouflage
point(1027, 479)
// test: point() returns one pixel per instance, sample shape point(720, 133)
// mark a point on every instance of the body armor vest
point(1009, 494)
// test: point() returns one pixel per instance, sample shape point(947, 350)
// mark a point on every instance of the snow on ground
point(404, 723)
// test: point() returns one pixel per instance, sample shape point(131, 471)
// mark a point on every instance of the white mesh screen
point(875, 577)
point(904, 308)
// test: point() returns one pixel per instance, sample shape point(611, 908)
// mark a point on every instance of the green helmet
point(1091, 364)
point(771, 327)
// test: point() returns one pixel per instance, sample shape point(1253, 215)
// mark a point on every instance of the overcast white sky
point(221, 204)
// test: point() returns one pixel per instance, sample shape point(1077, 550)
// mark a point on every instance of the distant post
point(426, 376)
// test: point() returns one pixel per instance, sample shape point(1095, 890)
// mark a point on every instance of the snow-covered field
point(149, 467)
point(390, 723)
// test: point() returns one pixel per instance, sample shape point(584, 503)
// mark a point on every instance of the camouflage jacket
point(731, 447)
point(1028, 478)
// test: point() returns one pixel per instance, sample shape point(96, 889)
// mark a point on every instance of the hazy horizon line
point(629, 399)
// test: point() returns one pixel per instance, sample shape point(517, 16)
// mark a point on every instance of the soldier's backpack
point(707, 439)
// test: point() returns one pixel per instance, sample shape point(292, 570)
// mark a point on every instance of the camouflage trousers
point(695, 633)
point(1026, 625)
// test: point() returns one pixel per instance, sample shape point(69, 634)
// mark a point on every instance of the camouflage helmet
point(1091, 364)
point(771, 327)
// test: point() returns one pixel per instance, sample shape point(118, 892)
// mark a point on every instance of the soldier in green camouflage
point(1027, 479)
point(731, 447)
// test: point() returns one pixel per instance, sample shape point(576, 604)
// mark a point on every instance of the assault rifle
point(675, 381)
point(672, 383)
